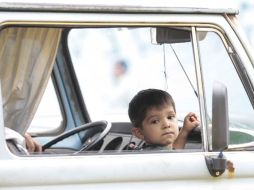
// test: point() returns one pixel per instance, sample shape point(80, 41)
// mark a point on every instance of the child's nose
point(166, 123)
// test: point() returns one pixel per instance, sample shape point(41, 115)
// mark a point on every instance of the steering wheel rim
point(103, 124)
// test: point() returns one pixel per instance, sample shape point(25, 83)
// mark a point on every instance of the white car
point(69, 70)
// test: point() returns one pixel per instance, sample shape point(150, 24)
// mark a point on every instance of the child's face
point(160, 126)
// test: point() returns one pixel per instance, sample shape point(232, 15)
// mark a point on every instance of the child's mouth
point(168, 133)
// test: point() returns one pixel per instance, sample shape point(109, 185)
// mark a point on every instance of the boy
point(153, 115)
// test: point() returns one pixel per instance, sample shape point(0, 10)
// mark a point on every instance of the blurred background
point(246, 13)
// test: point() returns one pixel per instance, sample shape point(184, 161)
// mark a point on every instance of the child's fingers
point(193, 118)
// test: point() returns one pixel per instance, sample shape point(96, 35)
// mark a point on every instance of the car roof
point(132, 6)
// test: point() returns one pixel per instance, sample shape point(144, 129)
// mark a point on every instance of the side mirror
point(217, 164)
point(220, 122)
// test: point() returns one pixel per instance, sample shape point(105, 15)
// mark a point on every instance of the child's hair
point(144, 100)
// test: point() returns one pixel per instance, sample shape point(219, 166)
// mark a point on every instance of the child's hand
point(190, 122)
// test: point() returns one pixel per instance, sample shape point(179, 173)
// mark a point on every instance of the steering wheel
point(99, 129)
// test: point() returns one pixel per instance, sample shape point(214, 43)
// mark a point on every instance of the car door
point(176, 66)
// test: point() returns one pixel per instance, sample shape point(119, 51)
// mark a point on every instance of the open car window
point(96, 72)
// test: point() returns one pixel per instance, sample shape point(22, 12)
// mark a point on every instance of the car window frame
point(142, 24)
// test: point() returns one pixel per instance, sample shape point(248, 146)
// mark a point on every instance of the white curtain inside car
point(27, 56)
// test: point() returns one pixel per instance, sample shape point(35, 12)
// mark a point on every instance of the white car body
point(173, 170)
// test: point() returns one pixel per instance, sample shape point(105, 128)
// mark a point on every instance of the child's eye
point(154, 121)
point(171, 117)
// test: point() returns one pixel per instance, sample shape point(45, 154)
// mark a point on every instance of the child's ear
point(137, 132)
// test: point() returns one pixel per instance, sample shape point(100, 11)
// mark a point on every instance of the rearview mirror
point(170, 35)
point(220, 122)
point(162, 35)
